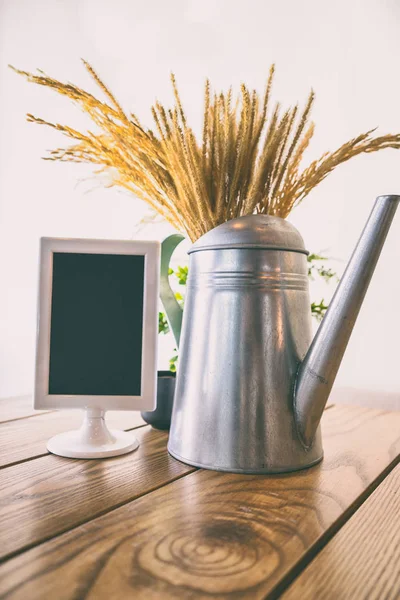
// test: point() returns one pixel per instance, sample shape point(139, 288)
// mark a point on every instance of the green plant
point(180, 275)
point(316, 269)
point(318, 309)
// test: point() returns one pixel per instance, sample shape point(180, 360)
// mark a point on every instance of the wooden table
point(146, 526)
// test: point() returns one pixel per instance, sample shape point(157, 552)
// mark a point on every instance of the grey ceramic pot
point(160, 418)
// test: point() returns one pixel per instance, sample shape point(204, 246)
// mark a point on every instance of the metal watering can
point(252, 384)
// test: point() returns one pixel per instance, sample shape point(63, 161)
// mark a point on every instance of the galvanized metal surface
point(252, 231)
point(246, 327)
point(246, 330)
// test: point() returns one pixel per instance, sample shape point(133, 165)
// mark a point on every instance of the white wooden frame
point(147, 399)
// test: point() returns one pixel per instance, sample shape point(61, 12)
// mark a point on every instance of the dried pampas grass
point(248, 160)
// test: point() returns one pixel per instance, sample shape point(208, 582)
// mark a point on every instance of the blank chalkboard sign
point(98, 324)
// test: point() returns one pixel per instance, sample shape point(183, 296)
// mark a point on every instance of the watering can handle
point(172, 308)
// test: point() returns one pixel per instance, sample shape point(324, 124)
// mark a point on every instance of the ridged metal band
point(247, 246)
point(261, 280)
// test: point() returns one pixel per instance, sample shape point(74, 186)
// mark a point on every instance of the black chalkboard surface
point(96, 324)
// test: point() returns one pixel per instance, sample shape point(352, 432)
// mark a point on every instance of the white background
point(347, 50)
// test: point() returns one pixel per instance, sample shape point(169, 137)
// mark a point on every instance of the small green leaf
point(172, 362)
point(315, 257)
point(182, 275)
point(163, 326)
point(318, 310)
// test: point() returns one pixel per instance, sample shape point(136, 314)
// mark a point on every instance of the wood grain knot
point(218, 554)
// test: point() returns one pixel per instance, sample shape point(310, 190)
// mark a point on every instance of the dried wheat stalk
point(248, 160)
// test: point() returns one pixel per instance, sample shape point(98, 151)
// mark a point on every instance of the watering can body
point(246, 327)
point(252, 384)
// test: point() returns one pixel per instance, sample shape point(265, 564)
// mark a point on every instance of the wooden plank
point(214, 534)
point(17, 407)
point(363, 559)
point(33, 495)
point(26, 438)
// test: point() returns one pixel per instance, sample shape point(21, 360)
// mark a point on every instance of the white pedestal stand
point(93, 439)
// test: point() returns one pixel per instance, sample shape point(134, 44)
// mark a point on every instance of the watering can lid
point(252, 231)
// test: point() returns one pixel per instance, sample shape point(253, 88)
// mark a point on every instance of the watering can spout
point(318, 370)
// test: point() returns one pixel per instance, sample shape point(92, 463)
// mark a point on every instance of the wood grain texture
point(42, 498)
point(17, 407)
point(26, 438)
point(214, 534)
point(363, 559)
